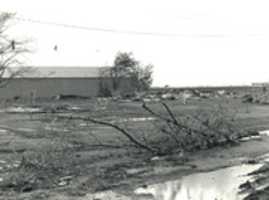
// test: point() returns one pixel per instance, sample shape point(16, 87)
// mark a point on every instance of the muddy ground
point(62, 160)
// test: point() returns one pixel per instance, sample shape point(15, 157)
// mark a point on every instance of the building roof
point(57, 72)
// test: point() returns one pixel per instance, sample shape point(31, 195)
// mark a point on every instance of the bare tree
point(11, 52)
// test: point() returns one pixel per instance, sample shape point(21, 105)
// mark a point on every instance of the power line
point(97, 29)
point(130, 32)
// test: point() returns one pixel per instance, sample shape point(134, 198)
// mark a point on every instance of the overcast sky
point(192, 42)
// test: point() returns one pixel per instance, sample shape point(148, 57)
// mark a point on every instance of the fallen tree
point(202, 130)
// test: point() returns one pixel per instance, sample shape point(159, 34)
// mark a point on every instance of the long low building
point(261, 84)
point(47, 82)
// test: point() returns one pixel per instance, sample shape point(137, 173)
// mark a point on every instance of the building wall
point(260, 84)
point(49, 87)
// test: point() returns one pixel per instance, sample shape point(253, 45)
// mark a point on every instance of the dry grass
point(52, 153)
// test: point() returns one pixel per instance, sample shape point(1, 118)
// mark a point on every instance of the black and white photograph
point(134, 100)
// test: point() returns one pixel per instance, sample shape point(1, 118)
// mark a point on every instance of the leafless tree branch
point(11, 52)
point(116, 127)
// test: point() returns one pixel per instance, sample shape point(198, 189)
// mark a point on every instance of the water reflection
point(221, 184)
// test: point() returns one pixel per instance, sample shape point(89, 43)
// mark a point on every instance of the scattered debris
point(3, 131)
point(168, 96)
point(265, 132)
point(65, 180)
point(63, 183)
point(108, 195)
point(136, 119)
point(3, 162)
point(186, 95)
point(24, 110)
point(252, 161)
point(9, 166)
point(62, 108)
point(136, 171)
point(205, 95)
point(247, 98)
point(55, 129)
point(45, 109)
point(253, 137)
point(155, 158)
point(221, 92)
point(15, 165)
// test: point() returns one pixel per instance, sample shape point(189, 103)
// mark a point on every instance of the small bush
point(104, 91)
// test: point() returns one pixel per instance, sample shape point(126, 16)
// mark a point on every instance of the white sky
point(218, 42)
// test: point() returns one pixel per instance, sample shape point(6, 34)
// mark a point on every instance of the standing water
point(221, 184)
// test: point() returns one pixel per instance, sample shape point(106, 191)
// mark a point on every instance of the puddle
point(221, 184)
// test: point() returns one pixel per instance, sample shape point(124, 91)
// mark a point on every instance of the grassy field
point(39, 152)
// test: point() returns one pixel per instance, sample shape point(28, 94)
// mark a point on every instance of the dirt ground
point(63, 159)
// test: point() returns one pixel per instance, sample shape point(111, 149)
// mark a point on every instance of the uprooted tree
point(11, 52)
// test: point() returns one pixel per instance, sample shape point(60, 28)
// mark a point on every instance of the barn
point(48, 82)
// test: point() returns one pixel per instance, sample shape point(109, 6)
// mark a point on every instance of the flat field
point(43, 155)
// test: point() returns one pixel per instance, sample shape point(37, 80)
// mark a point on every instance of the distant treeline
point(208, 89)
